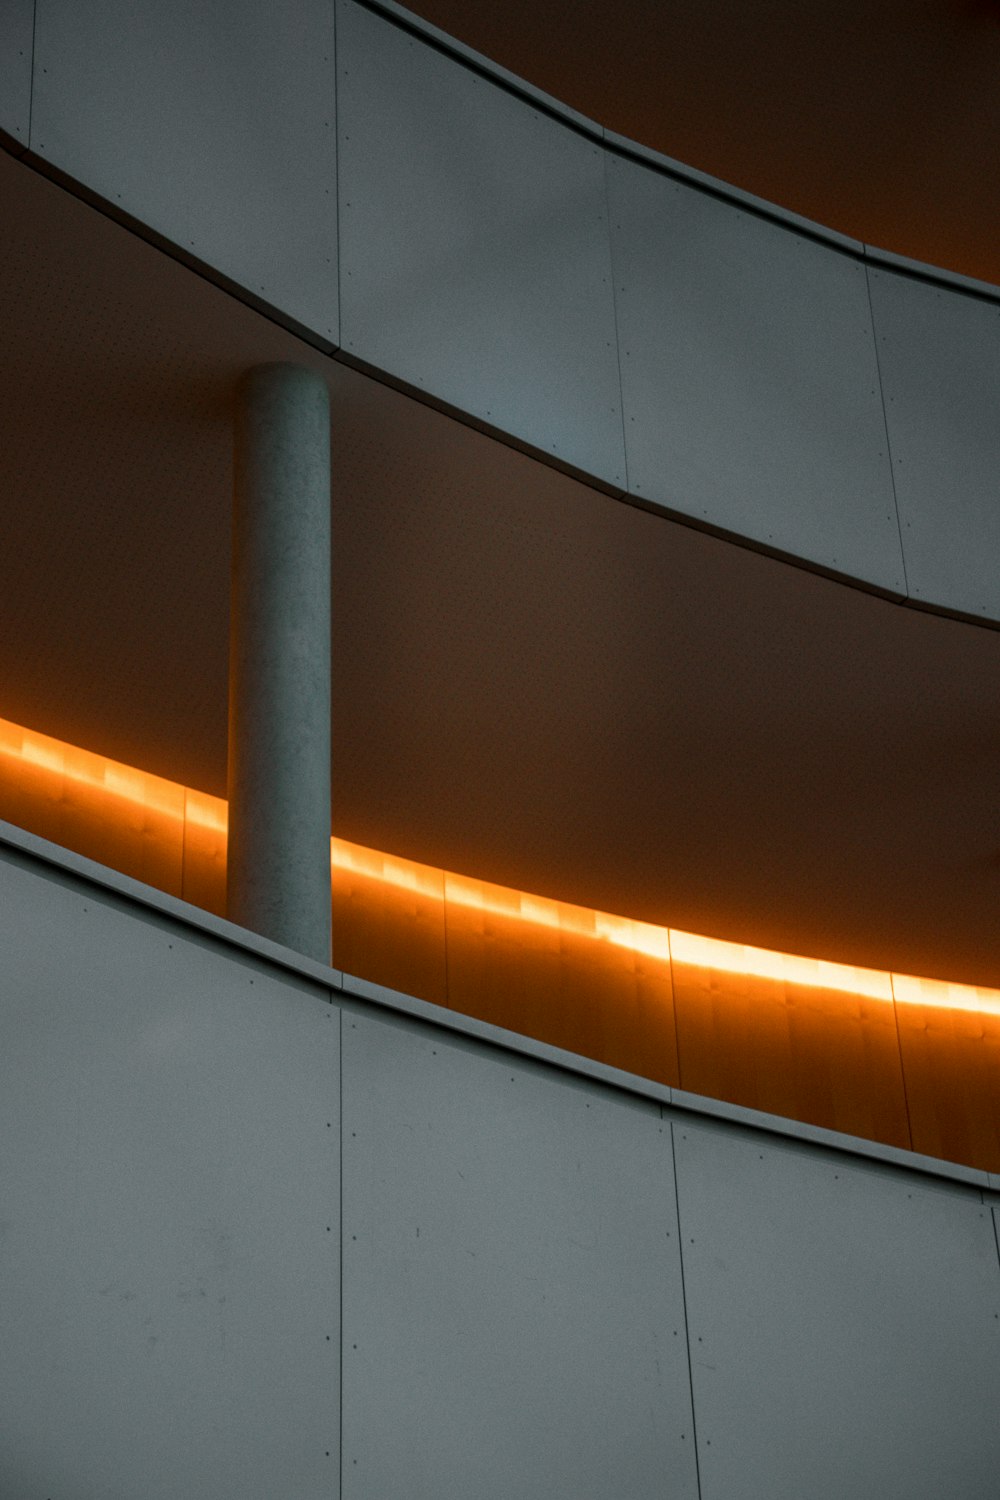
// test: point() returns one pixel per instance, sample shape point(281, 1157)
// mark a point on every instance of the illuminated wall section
point(389, 921)
point(911, 1062)
point(799, 1037)
point(949, 1037)
point(577, 978)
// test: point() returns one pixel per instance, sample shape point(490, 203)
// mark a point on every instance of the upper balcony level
point(414, 210)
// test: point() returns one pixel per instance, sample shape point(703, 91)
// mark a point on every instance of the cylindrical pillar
point(278, 875)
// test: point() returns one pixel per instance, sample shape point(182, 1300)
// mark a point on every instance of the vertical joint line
point(902, 1069)
point(31, 71)
point(340, 1226)
point(444, 919)
point(673, 1008)
point(336, 176)
point(684, 1304)
point(605, 168)
point(184, 843)
point(885, 422)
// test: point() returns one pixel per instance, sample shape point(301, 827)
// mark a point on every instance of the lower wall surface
point(546, 1286)
point(513, 1306)
point(169, 1288)
point(843, 1325)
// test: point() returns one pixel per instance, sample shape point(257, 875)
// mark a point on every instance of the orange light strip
point(787, 968)
point(54, 758)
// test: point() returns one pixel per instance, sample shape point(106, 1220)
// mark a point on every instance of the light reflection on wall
point(896, 1058)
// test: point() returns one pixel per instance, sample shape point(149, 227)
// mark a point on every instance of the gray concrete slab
point(749, 378)
point(213, 125)
point(939, 354)
point(474, 247)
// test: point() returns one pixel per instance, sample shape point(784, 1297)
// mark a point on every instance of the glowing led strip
point(168, 799)
point(788, 968)
point(943, 994)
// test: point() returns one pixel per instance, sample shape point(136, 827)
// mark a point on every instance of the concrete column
point(279, 661)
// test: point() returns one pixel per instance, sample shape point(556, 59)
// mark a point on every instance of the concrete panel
point(845, 1337)
point(17, 19)
point(474, 247)
point(213, 124)
point(169, 1300)
point(512, 1306)
point(939, 352)
point(939, 275)
point(749, 377)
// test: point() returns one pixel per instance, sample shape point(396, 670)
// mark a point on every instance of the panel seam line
point(340, 1267)
point(885, 427)
point(31, 82)
point(684, 1304)
point(605, 168)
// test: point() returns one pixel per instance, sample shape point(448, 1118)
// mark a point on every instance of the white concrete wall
point(267, 1230)
point(211, 125)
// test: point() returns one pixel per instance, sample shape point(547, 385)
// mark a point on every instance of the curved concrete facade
point(273, 1230)
point(414, 210)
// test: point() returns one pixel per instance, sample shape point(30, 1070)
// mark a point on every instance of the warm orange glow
point(942, 994)
point(582, 921)
point(207, 812)
point(390, 869)
point(31, 752)
point(763, 963)
point(95, 772)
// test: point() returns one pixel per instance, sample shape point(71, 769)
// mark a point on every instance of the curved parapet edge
point(420, 213)
point(23, 849)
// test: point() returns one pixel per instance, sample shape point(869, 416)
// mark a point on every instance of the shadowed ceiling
point(534, 683)
point(879, 118)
